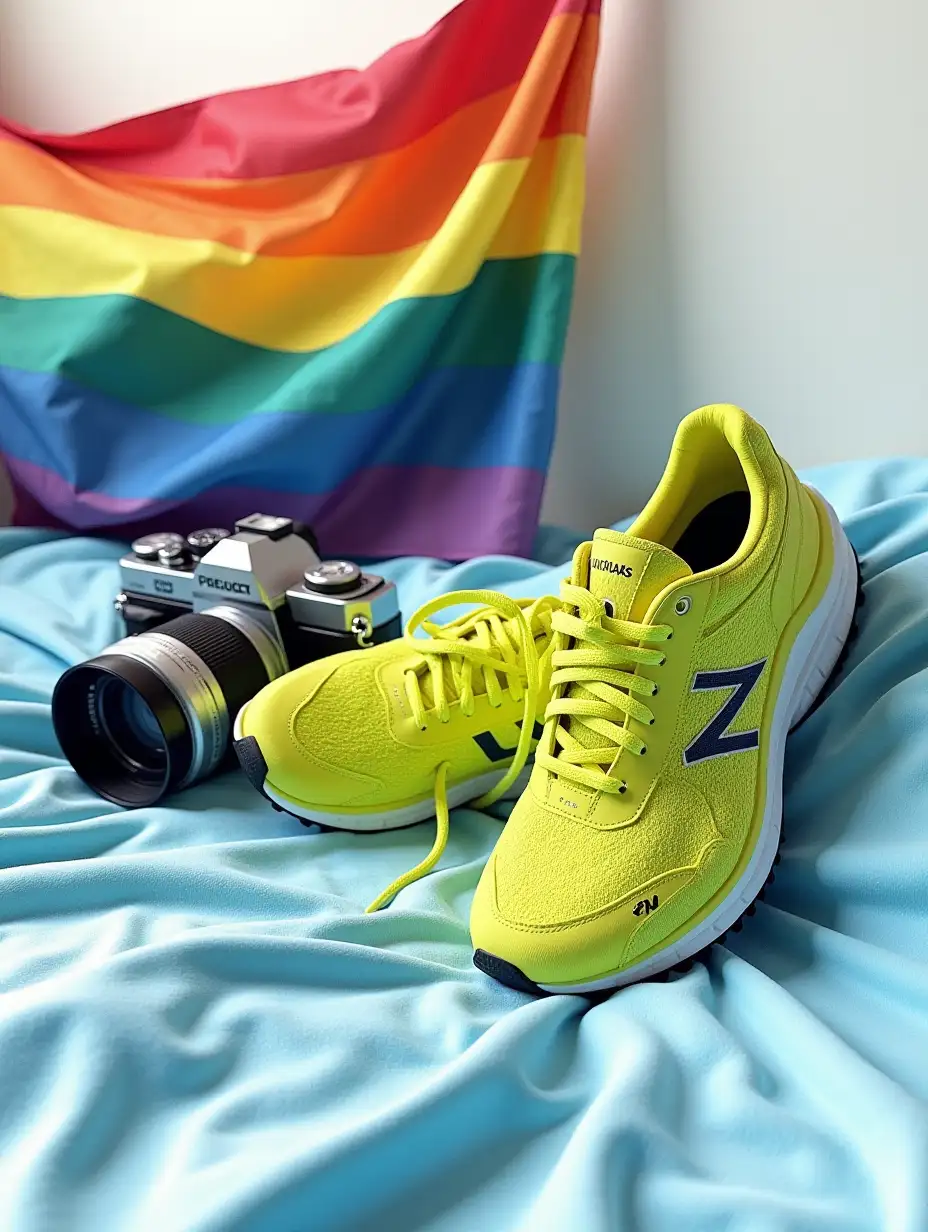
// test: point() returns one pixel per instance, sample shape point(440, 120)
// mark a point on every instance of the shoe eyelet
point(655, 691)
point(663, 661)
point(623, 789)
point(651, 722)
point(609, 607)
point(644, 749)
point(683, 605)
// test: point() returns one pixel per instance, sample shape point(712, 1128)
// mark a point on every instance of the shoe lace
point(596, 688)
point(465, 657)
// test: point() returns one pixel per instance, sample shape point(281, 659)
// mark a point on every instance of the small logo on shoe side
point(610, 566)
point(715, 740)
point(491, 747)
point(646, 906)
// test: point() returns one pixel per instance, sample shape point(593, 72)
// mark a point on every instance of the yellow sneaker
point(652, 817)
point(380, 738)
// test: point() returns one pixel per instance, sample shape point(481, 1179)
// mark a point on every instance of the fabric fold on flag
point(343, 298)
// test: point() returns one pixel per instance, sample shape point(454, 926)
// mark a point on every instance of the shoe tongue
point(631, 572)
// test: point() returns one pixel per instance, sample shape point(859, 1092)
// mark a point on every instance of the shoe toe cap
point(536, 956)
point(564, 954)
point(306, 727)
point(551, 918)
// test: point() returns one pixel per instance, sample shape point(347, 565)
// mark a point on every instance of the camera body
point(270, 568)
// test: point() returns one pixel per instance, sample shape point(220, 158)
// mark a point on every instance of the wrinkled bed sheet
point(201, 1030)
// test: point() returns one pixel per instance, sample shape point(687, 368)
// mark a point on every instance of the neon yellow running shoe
point(380, 738)
point(685, 652)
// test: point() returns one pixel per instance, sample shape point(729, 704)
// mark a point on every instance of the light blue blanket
point(201, 1030)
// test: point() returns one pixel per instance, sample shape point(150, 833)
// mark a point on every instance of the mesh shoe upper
point(342, 734)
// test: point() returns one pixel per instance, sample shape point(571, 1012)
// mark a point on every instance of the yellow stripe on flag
point(515, 208)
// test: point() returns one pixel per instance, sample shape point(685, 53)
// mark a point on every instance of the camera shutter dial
point(202, 541)
point(331, 577)
point(150, 547)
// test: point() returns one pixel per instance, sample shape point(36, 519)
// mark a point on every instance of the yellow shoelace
point(498, 640)
point(601, 652)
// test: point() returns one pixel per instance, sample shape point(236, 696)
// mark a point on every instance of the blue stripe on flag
point(464, 418)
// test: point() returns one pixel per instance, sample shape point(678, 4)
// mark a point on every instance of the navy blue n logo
point(715, 740)
point(492, 748)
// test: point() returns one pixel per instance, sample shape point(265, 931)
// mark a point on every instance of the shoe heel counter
point(811, 554)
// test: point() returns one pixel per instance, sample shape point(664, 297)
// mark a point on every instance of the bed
point(201, 1030)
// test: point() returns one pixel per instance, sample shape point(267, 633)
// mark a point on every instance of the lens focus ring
point(218, 644)
point(230, 656)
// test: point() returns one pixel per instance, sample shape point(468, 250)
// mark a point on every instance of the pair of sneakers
point(640, 716)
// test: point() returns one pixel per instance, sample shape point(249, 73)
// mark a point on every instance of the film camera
point(211, 619)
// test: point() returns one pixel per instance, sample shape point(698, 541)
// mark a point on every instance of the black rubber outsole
point(510, 975)
point(251, 759)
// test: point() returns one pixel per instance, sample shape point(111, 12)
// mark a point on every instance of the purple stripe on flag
point(382, 511)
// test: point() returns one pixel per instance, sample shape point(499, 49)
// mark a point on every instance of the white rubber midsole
point(419, 810)
point(394, 819)
point(811, 661)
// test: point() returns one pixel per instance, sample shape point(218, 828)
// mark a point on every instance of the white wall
point(798, 198)
point(620, 396)
point(756, 220)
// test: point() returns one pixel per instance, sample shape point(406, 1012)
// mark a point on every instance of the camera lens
point(121, 729)
point(130, 724)
point(153, 713)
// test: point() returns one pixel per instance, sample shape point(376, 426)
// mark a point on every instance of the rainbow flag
point(342, 299)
